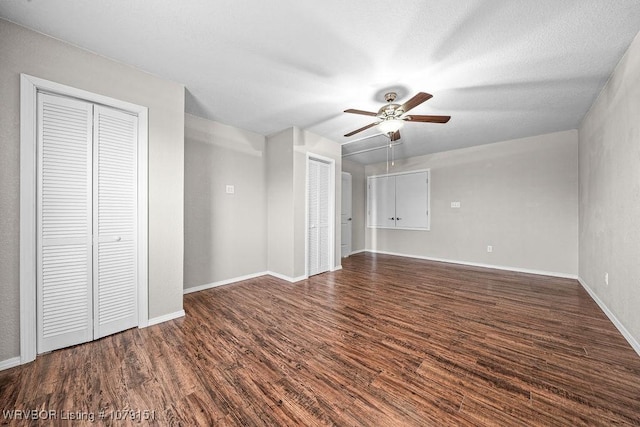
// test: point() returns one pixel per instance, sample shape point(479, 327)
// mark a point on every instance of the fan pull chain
point(393, 163)
point(388, 159)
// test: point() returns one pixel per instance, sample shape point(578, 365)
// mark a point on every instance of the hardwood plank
point(385, 341)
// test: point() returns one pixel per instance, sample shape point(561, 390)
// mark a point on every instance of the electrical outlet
point(230, 189)
point(455, 205)
point(489, 248)
point(606, 279)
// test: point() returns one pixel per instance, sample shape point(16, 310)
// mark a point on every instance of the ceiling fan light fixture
point(390, 125)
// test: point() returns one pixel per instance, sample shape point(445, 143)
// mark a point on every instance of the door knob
point(349, 219)
point(392, 219)
point(118, 238)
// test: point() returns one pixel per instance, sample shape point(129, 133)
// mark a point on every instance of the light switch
point(455, 204)
point(231, 189)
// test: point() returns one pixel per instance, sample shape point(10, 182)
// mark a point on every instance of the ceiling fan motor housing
point(391, 116)
point(390, 112)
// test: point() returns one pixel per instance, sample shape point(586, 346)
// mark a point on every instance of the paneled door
point(346, 219)
point(381, 201)
point(86, 221)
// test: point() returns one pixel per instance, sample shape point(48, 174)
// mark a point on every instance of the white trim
point(477, 264)
point(359, 251)
point(166, 318)
point(287, 278)
point(612, 317)
point(223, 282)
point(10, 363)
point(306, 218)
point(332, 212)
point(28, 198)
point(248, 277)
point(143, 217)
point(29, 87)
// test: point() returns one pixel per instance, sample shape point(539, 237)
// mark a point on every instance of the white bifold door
point(318, 216)
point(86, 222)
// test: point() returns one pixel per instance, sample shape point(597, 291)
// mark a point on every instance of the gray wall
point(358, 203)
point(286, 155)
point(24, 51)
point(280, 214)
point(519, 196)
point(225, 234)
point(610, 193)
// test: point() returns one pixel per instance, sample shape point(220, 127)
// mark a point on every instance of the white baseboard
point(166, 318)
point(223, 282)
point(9, 363)
point(477, 264)
point(359, 251)
point(625, 333)
point(247, 277)
point(287, 278)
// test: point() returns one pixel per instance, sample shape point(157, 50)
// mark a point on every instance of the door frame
point(332, 210)
point(29, 88)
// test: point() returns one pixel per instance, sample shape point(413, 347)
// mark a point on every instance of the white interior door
point(346, 220)
point(412, 200)
point(115, 217)
point(318, 217)
point(64, 221)
point(382, 194)
point(86, 222)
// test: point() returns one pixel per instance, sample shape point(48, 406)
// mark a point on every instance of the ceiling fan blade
point(364, 113)
point(362, 128)
point(428, 119)
point(418, 99)
point(395, 136)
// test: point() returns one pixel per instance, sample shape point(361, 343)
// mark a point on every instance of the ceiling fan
point(391, 117)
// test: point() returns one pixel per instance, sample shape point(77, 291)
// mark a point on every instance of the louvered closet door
point(313, 237)
point(115, 217)
point(318, 197)
point(323, 216)
point(64, 222)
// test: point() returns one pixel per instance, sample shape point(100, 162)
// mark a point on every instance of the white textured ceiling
point(502, 69)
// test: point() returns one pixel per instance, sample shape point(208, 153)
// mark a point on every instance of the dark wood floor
point(384, 342)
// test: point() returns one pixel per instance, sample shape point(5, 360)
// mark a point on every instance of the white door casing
point(399, 201)
point(30, 88)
